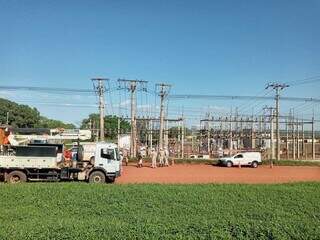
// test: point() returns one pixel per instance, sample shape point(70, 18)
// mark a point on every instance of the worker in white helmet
point(154, 158)
point(166, 157)
point(161, 157)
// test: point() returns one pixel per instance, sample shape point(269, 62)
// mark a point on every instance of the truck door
point(108, 160)
point(238, 159)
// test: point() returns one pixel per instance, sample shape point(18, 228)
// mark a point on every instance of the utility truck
point(252, 159)
point(45, 163)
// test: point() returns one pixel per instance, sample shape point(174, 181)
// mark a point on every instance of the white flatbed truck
point(43, 163)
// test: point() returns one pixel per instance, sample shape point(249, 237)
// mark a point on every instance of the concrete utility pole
point(277, 87)
point(298, 139)
point(132, 86)
point(119, 127)
point(163, 91)
point(7, 118)
point(182, 138)
point(287, 137)
point(151, 133)
point(100, 90)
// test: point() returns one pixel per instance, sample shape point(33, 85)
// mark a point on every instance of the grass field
point(84, 211)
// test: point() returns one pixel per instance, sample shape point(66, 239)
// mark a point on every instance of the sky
point(200, 47)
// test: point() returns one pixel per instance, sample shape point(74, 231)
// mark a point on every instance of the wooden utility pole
point(100, 90)
point(163, 92)
point(277, 87)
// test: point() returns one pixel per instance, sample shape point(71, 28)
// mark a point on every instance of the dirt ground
point(202, 173)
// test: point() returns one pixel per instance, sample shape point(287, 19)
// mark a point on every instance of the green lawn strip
point(151, 211)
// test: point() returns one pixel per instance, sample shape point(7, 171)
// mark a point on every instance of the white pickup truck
point(252, 159)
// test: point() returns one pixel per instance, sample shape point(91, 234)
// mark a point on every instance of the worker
point(166, 157)
point(161, 157)
point(139, 160)
point(154, 158)
point(125, 156)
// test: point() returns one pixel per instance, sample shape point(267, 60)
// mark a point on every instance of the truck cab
point(106, 164)
point(252, 159)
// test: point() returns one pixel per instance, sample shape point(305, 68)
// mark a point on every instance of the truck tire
point(16, 177)
point(254, 164)
point(229, 164)
point(97, 177)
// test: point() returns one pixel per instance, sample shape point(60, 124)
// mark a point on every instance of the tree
point(110, 124)
point(23, 116)
point(51, 123)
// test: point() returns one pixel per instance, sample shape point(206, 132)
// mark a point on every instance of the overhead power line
point(230, 97)
point(45, 89)
point(304, 81)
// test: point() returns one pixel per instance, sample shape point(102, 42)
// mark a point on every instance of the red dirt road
point(212, 174)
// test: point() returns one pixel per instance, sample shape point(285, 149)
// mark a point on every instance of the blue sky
point(204, 47)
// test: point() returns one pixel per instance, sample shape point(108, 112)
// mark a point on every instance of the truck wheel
point(229, 164)
point(97, 177)
point(254, 164)
point(16, 177)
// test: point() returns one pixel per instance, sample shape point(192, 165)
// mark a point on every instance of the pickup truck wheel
point(16, 177)
point(254, 164)
point(229, 164)
point(97, 177)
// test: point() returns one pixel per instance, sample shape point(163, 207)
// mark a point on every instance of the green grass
point(292, 163)
point(84, 211)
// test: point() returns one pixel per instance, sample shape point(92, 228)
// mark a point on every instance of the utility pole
point(7, 118)
point(151, 133)
point(182, 138)
point(100, 90)
point(277, 87)
point(119, 127)
point(313, 140)
point(287, 137)
point(132, 86)
point(163, 91)
point(298, 139)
